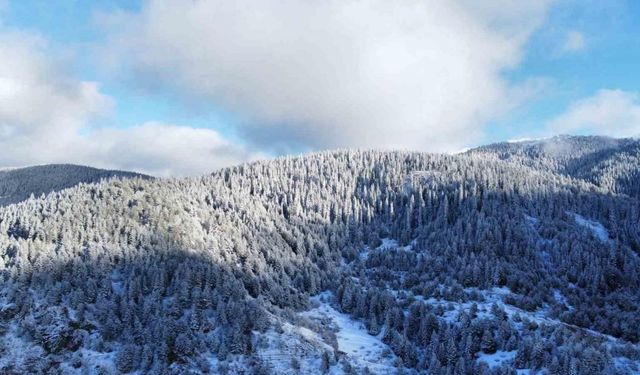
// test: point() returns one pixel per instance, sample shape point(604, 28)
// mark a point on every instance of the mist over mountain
point(509, 258)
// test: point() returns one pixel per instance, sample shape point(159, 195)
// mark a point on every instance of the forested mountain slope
point(18, 184)
point(608, 162)
point(334, 262)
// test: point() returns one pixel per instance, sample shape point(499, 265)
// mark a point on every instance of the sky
point(184, 87)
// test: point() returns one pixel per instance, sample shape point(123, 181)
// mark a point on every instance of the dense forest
point(18, 184)
point(510, 258)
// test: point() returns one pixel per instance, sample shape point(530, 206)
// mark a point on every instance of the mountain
point(500, 260)
point(19, 184)
point(607, 162)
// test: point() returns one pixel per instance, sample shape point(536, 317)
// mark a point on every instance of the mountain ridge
point(333, 262)
point(18, 184)
point(591, 158)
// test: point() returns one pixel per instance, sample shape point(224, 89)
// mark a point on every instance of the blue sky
point(71, 25)
point(608, 60)
point(200, 85)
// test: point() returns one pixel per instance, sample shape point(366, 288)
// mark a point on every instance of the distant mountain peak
point(593, 158)
point(17, 184)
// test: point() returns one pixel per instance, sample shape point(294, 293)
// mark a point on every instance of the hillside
point(19, 184)
point(489, 262)
point(607, 162)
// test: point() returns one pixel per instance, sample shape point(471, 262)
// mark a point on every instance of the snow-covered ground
point(526, 371)
point(98, 362)
point(558, 296)
point(116, 282)
point(452, 309)
point(595, 227)
point(292, 344)
point(15, 348)
point(496, 295)
point(387, 243)
point(627, 365)
point(531, 220)
point(361, 348)
point(497, 359)
point(532, 223)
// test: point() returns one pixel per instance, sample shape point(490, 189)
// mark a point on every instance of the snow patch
point(595, 227)
point(561, 299)
point(16, 349)
point(626, 365)
point(98, 360)
point(388, 243)
point(116, 282)
point(363, 349)
point(527, 371)
point(496, 295)
point(497, 359)
point(279, 349)
point(531, 220)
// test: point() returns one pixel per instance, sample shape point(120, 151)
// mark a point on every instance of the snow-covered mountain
point(608, 162)
point(18, 184)
point(506, 259)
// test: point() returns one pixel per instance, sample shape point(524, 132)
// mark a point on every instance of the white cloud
point(163, 150)
point(45, 112)
point(614, 113)
point(574, 42)
point(41, 104)
point(335, 73)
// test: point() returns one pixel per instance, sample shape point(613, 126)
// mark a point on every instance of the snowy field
point(362, 349)
point(279, 350)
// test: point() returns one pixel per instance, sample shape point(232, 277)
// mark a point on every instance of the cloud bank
point(325, 74)
point(46, 112)
point(165, 150)
point(615, 113)
point(298, 74)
